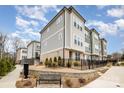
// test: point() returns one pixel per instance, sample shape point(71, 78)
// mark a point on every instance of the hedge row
point(53, 62)
point(57, 62)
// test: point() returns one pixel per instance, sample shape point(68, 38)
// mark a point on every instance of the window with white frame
point(81, 42)
point(75, 40)
point(74, 23)
point(96, 47)
point(78, 41)
point(80, 28)
point(77, 56)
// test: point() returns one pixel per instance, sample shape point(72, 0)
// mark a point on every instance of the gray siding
point(53, 39)
point(52, 43)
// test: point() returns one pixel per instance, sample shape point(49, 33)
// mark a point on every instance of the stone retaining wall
point(88, 76)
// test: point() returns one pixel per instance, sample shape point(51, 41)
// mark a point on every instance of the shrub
point(82, 80)
point(55, 59)
point(54, 64)
point(6, 65)
point(68, 83)
point(46, 62)
point(9, 66)
point(76, 63)
point(69, 64)
point(3, 67)
point(50, 62)
point(122, 64)
point(59, 61)
point(117, 64)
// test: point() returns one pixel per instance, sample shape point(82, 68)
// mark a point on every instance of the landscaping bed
point(70, 77)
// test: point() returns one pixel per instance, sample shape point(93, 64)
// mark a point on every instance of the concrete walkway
point(9, 80)
point(113, 78)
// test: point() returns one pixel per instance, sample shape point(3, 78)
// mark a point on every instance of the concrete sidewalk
point(9, 80)
point(113, 78)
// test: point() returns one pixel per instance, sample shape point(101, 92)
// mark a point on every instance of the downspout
point(40, 45)
point(91, 49)
point(64, 41)
point(32, 50)
point(102, 49)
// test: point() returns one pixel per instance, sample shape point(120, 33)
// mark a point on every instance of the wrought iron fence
point(83, 64)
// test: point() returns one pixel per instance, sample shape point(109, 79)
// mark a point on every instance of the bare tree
point(3, 39)
point(16, 43)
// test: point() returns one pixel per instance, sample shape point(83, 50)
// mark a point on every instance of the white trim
point(65, 29)
point(51, 51)
point(71, 39)
point(52, 35)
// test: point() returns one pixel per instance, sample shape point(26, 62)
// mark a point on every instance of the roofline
point(21, 48)
point(50, 22)
point(104, 39)
point(61, 11)
point(87, 29)
point(94, 30)
point(76, 12)
point(33, 42)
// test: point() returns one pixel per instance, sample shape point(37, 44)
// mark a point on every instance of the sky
point(25, 22)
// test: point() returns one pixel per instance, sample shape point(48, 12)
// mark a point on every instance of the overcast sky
point(26, 22)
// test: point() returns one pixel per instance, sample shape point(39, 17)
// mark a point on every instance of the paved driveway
point(9, 80)
point(113, 78)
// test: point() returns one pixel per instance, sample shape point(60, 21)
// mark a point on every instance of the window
point(77, 56)
point(24, 57)
point(38, 47)
point(96, 47)
point(23, 51)
point(87, 49)
point(75, 24)
point(81, 44)
point(75, 40)
point(80, 28)
point(78, 41)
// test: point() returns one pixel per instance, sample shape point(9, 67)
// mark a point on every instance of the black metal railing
point(83, 64)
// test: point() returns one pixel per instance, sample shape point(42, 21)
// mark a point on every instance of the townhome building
point(33, 53)
point(87, 43)
point(67, 36)
point(103, 48)
point(63, 36)
point(33, 50)
point(21, 54)
point(95, 45)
